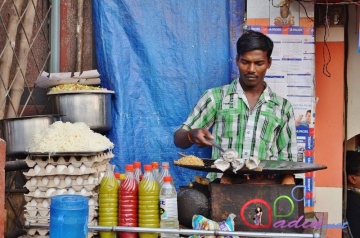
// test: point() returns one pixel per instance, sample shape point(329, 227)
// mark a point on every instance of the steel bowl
point(92, 108)
point(19, 132)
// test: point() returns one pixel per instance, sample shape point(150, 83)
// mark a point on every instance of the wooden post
point(2, 185)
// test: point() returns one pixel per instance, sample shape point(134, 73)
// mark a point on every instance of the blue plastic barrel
point(69, 216)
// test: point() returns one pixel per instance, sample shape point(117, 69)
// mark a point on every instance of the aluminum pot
point(19, 132)
point(92, 108)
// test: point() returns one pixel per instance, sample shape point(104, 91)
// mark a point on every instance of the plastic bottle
point(165, 170)
point(149, 199)
point(137, 171)
point(128, 202)
point(108, 201)
point(155, 167)
point(117, 176)
point(168, 207)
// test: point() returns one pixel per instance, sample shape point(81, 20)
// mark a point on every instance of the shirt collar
point(356, 190)
point(267, 94)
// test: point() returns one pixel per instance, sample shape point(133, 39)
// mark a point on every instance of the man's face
point(252, 67)
point(308, 117)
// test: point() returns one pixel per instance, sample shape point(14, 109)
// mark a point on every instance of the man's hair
point(252, 40)
point(308, 111)
point(352, 162)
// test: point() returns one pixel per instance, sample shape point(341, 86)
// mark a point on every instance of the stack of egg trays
point(56, 175)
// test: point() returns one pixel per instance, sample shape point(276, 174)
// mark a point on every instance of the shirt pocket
point(269, 127)
point(229, 122)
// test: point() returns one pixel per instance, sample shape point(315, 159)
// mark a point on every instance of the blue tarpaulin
point(159, 57)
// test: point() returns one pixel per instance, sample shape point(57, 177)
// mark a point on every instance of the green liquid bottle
point(108, 202)
point(149, 212)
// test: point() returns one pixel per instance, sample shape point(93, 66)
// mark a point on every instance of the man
point(244, 115)
point(353, 193)
point(305, 122)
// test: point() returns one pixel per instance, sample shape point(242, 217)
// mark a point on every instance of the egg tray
point(50, 170)
point(36, 233)
point(76, 188)
point(62, 181)
point(49, 193)
point(42, 215)
point(45, 202)
point(44, 232)
point(76, 161)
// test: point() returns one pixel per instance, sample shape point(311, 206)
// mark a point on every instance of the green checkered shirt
point(267, 132)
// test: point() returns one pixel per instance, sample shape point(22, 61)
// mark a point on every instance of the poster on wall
point(284, 13)
point(290, 24)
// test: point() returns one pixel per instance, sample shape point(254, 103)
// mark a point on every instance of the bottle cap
point(165, 165)
point(137, 164)
point(129, 167)
point(148, 167)
point(167, 178)
point(117, 175)
point(155, 165)
point(122, 176)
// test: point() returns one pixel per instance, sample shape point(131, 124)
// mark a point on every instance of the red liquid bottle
point(128, 202)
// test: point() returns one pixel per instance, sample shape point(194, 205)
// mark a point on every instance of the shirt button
point(246, 153)
point(248, 132)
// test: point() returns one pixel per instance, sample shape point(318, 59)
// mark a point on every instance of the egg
point(60, 168)
point(91, 201)
point(83, 191)
point(68, 181)
point(37, 169)
point(57, 181)
point(91, 179)
point(60, 191)
point(37, 193)
point(33, 181)
point(83, 168)
point(33, 202)
point(49, 168)
point(45, 181)
point(71, 191)
point(45, 203)
point(50, 191)
point(79, 180)
point(71, 168)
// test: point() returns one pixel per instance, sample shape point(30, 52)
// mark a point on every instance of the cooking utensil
point(216, 145)
point(265, 167)
point(91, 107)
point(19, 132)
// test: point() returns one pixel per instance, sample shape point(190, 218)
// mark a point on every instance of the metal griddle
point(265, 167)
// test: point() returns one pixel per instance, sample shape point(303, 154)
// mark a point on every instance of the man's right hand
point(184, 139)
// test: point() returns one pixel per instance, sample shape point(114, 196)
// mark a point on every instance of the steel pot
point(92, 108)
point(19, 132)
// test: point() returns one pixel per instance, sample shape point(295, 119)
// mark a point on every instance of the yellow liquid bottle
point(149, 212)
point(108, 202)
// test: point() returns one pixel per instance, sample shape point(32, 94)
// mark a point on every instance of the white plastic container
point(168, 207)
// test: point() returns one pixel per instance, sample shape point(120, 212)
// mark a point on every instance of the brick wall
point(2, 185)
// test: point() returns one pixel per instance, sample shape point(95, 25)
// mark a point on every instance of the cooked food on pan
point(190, 160)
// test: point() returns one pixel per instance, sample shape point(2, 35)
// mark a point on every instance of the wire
point(326, 49)
point(299, 1)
